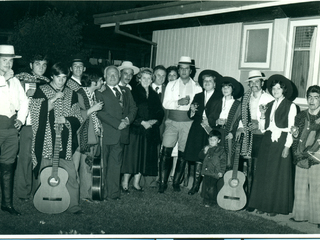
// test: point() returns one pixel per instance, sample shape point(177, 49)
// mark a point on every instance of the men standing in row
point(249, 124)
point(30, 81)
point(177, 99)
point(127, 70)
point(13, 112)
point(118, 113)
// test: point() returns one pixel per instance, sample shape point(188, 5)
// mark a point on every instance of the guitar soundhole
point(54, 181)
point(234, 182)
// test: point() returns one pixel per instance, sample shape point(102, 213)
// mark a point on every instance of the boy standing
point(213, 168)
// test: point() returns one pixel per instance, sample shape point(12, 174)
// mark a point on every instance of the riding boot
point(180, 167)
point(165, 166)
point(197, 178)
point(6, 178)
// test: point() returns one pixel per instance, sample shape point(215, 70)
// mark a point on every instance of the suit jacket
point(112, 113)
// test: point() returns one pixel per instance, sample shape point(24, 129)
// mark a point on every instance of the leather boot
point(165, 166)
point(197, 178)
point(181, 164)
point(6, 172)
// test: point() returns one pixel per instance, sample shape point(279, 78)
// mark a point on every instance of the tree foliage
point(54, 34)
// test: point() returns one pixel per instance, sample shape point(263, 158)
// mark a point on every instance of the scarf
point(246, 119)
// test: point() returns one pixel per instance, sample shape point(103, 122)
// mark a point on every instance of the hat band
point(255, 77)
point(7, 55)
point(185, 63)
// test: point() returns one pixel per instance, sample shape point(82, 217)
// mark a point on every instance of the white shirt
point(176, 90)
point(207, 96)
point(226, 106)
point(114, 92)
point(159, 88)
point(128, 85)
point(13, 99)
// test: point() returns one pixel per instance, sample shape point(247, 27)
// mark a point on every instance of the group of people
point(135, 125)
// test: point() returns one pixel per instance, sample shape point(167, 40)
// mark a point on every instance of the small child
point(213, 168)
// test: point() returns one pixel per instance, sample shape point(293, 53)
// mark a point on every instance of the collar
point(76, 80)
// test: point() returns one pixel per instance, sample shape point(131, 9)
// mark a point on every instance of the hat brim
point(134, 68)
point(213, 73)
point(238, 89)
point(10, 55)
point(189, 63)
point(256, 78)
point(289, 85)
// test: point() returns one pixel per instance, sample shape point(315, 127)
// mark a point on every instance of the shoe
point(259, 212)
point(10, 210)
point(125, 190)
point(293, 220)
point(176, 188)
point(249, 209)
point(162, 188)
point(137, 189)
point(271, 214)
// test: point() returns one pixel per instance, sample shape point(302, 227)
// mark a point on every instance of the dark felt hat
point(78, 58)
point(238, 89)
point(212, 73)
point(291, 93)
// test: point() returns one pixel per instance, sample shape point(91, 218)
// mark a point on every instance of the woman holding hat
point(203, 105)
point(272, 189)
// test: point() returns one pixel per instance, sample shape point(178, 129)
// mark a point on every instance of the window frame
point(257, 26)
point(293, 23)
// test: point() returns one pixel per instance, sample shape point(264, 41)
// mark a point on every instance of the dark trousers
point(210, 188)
point(112, 161)
point(24, 164)
point(8, 145)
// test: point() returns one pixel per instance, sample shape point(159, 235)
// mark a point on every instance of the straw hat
point(255, 74)
point(186, 60)
point(128, 64)
point(8, 51)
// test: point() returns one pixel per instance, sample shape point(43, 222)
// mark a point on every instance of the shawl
point(43, 120)
point(246, 119)
point(30, 78)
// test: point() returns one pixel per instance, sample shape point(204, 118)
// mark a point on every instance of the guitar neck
point(57, 149)
point(236, 158)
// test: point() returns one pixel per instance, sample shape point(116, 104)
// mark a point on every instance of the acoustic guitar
point(52, 196)
point(97, 176)
point(232, 195)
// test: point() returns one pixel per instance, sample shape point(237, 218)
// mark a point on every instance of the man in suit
point(118, 112)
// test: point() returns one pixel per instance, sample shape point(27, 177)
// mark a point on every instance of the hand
point(30, 92)
point(263, 108)
point(253, 125)
point(122, 125)
point(205, 121)
point(152, 122)
point(9, 74)
point(146, 124)
point(238, 134)
point(220, 175)
point(285, 152)
point(97, 107)
point(194, 107)
point(59, 95)
point(294, 131)
point(126, 121)
point(221, 121)
point(229, 136)
point(103, 87)
point(17, 124)
point(61, 119)
point(183, 101)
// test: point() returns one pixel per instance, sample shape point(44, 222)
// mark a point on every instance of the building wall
point(218, 47)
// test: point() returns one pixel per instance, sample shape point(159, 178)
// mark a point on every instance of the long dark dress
point(198, 137)
point(272, 189)
point(141, 154)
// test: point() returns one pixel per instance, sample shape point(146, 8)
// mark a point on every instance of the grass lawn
point(141, 213)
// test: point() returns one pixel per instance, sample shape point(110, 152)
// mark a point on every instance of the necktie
point(118, 95)
point(157, 89)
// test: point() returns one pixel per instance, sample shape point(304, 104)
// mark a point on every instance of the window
point(256, 45)
point(303, 55)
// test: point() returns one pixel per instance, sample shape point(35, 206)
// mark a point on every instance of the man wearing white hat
point(127, 70)
point(13, 113)
point(177, 99)
point(249, 124)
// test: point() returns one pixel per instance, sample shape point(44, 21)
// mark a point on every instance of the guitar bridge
point(231, 198)
point(52, 199)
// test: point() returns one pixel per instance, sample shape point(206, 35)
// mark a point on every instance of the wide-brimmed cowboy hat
point(8, 51)
point(255, 74)
point(128, 64)
point(289, 85)
point(212, 73)
point(238, 89)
